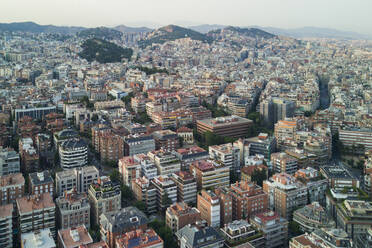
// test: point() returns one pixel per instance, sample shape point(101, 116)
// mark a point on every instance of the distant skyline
point(337, 14)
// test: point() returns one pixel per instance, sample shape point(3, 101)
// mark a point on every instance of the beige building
point(74, 237)
point(79, 178)
point(36, 212)
point(104, 197)
point(210, 174)
point(12, 186)
point(285, 194)
point(6, 226)
point(73, 209)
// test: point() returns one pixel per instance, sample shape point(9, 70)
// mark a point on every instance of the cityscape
point(188, 136)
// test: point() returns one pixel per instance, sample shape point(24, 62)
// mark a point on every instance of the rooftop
point(6, 211)
point(12, 179)
point(31, 203)
point(74, 237)
point(41, 239)
point(139, 239)
point(43, 177)
point(225, 121)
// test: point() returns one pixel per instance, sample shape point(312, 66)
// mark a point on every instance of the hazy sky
point(351, 15)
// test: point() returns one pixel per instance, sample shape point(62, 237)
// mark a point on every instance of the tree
point(180, 140)
point(56, 158)
point(165, 200)
point(94, 117)
point(294, 228)
point(140, 205)
point(259, 176)
point(95, 233)
point(164, 232)
point(126, 193)
point(115, 176)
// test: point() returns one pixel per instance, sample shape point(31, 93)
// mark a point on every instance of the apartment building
point(186, 134)
point(6, 226)
point(166, 140)
point(73, 154)
point(130, 169)
point(173, 119)
point(140, 239)
point(35, 213)
point(312, 217)
point(73, 209)
point(190, 154)
point(12, 187)
point(111, 147)
point(339, 177)
point(138, 143)
point(146, 192)
point(28, 154)
point(179, 215)
point(262, 144)
point(199, 235)
point(41, 182)
point(229, 126)
point(322, 238)
point(186, 186)
point(354, 217)
point(148, 168)
point(285, 194)
point(209, 174)
point(74, 237)
point(248, 199)
point(79, 178)
point(226, 205)
point(285, 130)
point(282, 162)
point(166, 191)
point(273, 227)
point(200, 113)
point(41, 238)
point(104, 197)
point(356, 137)
point(208, 204)
point(113, 225)
point(9, 161)
point(239, 231)
point(226, 154)
point(166, 162)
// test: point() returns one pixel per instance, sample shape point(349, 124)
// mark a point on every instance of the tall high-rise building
point(275, 109)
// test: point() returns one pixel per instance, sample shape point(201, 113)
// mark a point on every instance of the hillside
point(205, 28)
point(170, 33)
point(101, 33)
point(125, 29)
point(249, 32)
point(33, 27)
point(103, 51)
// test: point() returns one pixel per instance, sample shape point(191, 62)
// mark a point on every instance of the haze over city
point(339, 14)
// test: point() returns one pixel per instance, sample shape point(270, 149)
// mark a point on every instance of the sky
point(348, 15)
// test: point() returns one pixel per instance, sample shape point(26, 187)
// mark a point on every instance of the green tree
point(115, 176)
point(95, 233)
point(165, 200)
point(180, 140)
point(164, 232)
point(94, 117)
point(259, 176)
point(126, 193)
point(140, 205)
point(294, 228)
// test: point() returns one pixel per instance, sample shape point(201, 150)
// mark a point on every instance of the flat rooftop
point(225, 121)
